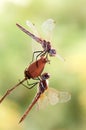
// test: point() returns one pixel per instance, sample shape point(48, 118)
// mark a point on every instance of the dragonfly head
point(45, 76)
point(52, 52)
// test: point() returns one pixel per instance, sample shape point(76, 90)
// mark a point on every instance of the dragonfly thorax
point(42, 86)
point(47, 48)
point(46, 45)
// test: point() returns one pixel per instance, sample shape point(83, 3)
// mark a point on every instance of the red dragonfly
point(33, 71)
point(46, 45)
point(46, 95)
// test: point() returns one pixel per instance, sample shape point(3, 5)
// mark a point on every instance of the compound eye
point(52, 52)
point(45, 76)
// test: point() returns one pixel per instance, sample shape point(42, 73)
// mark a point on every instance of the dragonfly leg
point(31, 85)
point(36, 56)
point(40, 54)
point(44, 53)
point(38, 78)
point(47, 58)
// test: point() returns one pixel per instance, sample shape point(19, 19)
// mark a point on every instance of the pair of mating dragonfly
point(44, 93)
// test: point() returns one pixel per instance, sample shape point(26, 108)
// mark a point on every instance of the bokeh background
point(69, 39)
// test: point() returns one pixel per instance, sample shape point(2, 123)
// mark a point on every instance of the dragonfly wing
point(55, 96)
point(60, 57)
point(32, 27)
point(35, 46)
point(42, 102)
point(47, 28)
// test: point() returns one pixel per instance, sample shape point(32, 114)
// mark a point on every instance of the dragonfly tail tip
point(20, 120)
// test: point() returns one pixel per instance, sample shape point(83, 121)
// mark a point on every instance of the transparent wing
point(60, 57)
point(35, 46)
point(42, 102)
point(55, 96)
point(32, 27)
point(47, 28)
point(52, 96)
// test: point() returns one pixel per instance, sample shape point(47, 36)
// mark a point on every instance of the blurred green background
point(69, 38)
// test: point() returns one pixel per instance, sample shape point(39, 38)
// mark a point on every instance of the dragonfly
point(46, 95)
point(47, 26)
point(33, 71)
